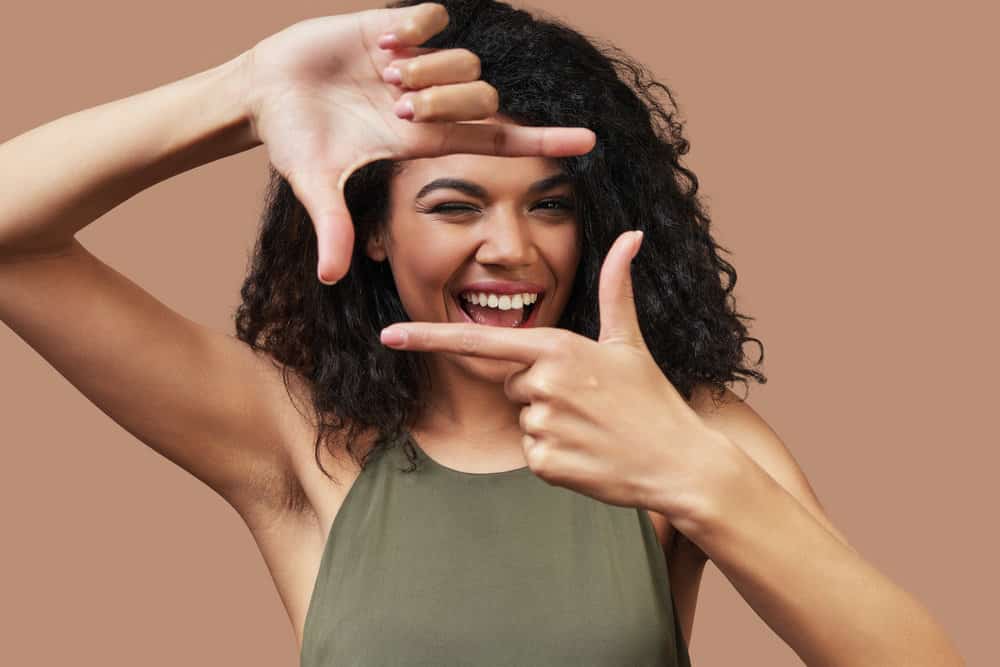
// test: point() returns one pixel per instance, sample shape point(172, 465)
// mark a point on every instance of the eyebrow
point(476, 190)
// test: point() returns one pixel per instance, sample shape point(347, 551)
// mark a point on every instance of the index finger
point(478, 340)
point(409, 26)
point(508, 140)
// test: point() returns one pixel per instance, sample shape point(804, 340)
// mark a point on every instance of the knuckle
point(555, 345)
point(438, 13)
point(424, 339)
point(538, 456)
point(499, 139)
point(426, 102)
point(534, 418)
point(468, 342)
point(525, 419)
point(491, 98)
point(544, 388)
point(412, 71)
point(473, 61)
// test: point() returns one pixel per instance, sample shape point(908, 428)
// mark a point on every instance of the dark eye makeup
point(455, 207)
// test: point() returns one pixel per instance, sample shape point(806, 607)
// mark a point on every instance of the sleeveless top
point(443, 567)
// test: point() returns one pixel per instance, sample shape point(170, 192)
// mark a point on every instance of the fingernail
point(388, 41)
point(324, 280)
point(638, 242)
point(392, 75)
point(404, 108)
point(393, 336)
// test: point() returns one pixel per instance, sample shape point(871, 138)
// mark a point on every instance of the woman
point(544, 496)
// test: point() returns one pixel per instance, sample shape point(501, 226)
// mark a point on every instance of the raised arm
point(315, 95)
point(200, 398)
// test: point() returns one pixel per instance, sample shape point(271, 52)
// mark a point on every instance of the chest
point(293, 546)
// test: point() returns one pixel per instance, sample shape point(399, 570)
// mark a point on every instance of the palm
point(324, 75)
point(319, 102)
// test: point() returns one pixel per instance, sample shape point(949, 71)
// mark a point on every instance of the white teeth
point(501, 301)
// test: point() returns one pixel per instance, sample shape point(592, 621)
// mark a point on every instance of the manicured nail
point(388, 41)
point(392, 75)
point(393, 336)
point(404, 107)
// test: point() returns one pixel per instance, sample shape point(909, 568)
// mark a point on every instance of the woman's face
point(458, 220)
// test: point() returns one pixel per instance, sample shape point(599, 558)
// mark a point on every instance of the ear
point(375, 248)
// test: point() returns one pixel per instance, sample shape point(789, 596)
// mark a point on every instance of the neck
point(469, 406)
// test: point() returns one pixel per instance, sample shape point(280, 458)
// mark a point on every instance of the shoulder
point(747, 429)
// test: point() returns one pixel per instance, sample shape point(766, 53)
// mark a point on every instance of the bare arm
point(200, 398)
point(315, 95)
point(814, 590)
point(61, 176)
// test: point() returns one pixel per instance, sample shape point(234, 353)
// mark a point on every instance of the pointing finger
point(477, 340)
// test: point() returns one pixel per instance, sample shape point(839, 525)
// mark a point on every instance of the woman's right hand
point(319, 101)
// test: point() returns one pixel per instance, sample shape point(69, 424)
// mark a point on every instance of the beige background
point(848, 156)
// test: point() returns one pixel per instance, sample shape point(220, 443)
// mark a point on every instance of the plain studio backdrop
point(847, 156)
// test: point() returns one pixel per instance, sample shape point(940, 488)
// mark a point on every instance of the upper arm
point(685, 566)
point(748, 430)
point(200, 398)
point(735, 419)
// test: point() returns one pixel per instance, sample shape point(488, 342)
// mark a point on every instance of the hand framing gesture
point(600, 417)
point(321, 100)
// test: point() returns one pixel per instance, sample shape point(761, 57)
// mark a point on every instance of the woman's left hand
point(600, 417)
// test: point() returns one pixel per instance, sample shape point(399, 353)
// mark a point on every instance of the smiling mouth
point(527, 320)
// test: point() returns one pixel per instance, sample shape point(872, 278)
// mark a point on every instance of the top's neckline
point(463, 473)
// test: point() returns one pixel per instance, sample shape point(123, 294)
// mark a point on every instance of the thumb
point(619, 320)
point(322, 195)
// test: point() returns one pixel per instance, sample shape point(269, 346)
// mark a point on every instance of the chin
point(489, 370)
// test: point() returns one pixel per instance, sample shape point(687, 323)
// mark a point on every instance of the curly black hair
point(547, 74)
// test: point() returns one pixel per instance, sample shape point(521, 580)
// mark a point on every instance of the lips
point(532, 316)
point(501, 287)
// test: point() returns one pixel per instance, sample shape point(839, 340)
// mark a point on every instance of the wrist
point(240, 73)
point(236, 80)
point(723, 479)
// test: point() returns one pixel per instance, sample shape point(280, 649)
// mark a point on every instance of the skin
point(507, 236)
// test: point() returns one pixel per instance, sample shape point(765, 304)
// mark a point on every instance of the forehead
point(491, 171)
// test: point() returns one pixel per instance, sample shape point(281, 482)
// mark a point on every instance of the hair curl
point(547, 74)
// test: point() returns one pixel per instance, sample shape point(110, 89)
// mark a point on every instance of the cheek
point(565, 254)
point(421, 276)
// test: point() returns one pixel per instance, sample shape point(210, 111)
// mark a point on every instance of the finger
point(478, 340)
point(534, 384)
point(616, 301)
point(504, 140)
point(543, 421)
point(458, 101)
point(411, 52)
point(323, 198)
point(515, 385)
point(411, 26)
point(437, 68)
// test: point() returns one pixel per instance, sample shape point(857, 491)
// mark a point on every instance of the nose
point(507, 240)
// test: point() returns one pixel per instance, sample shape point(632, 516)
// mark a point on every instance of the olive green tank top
point(442, 567)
